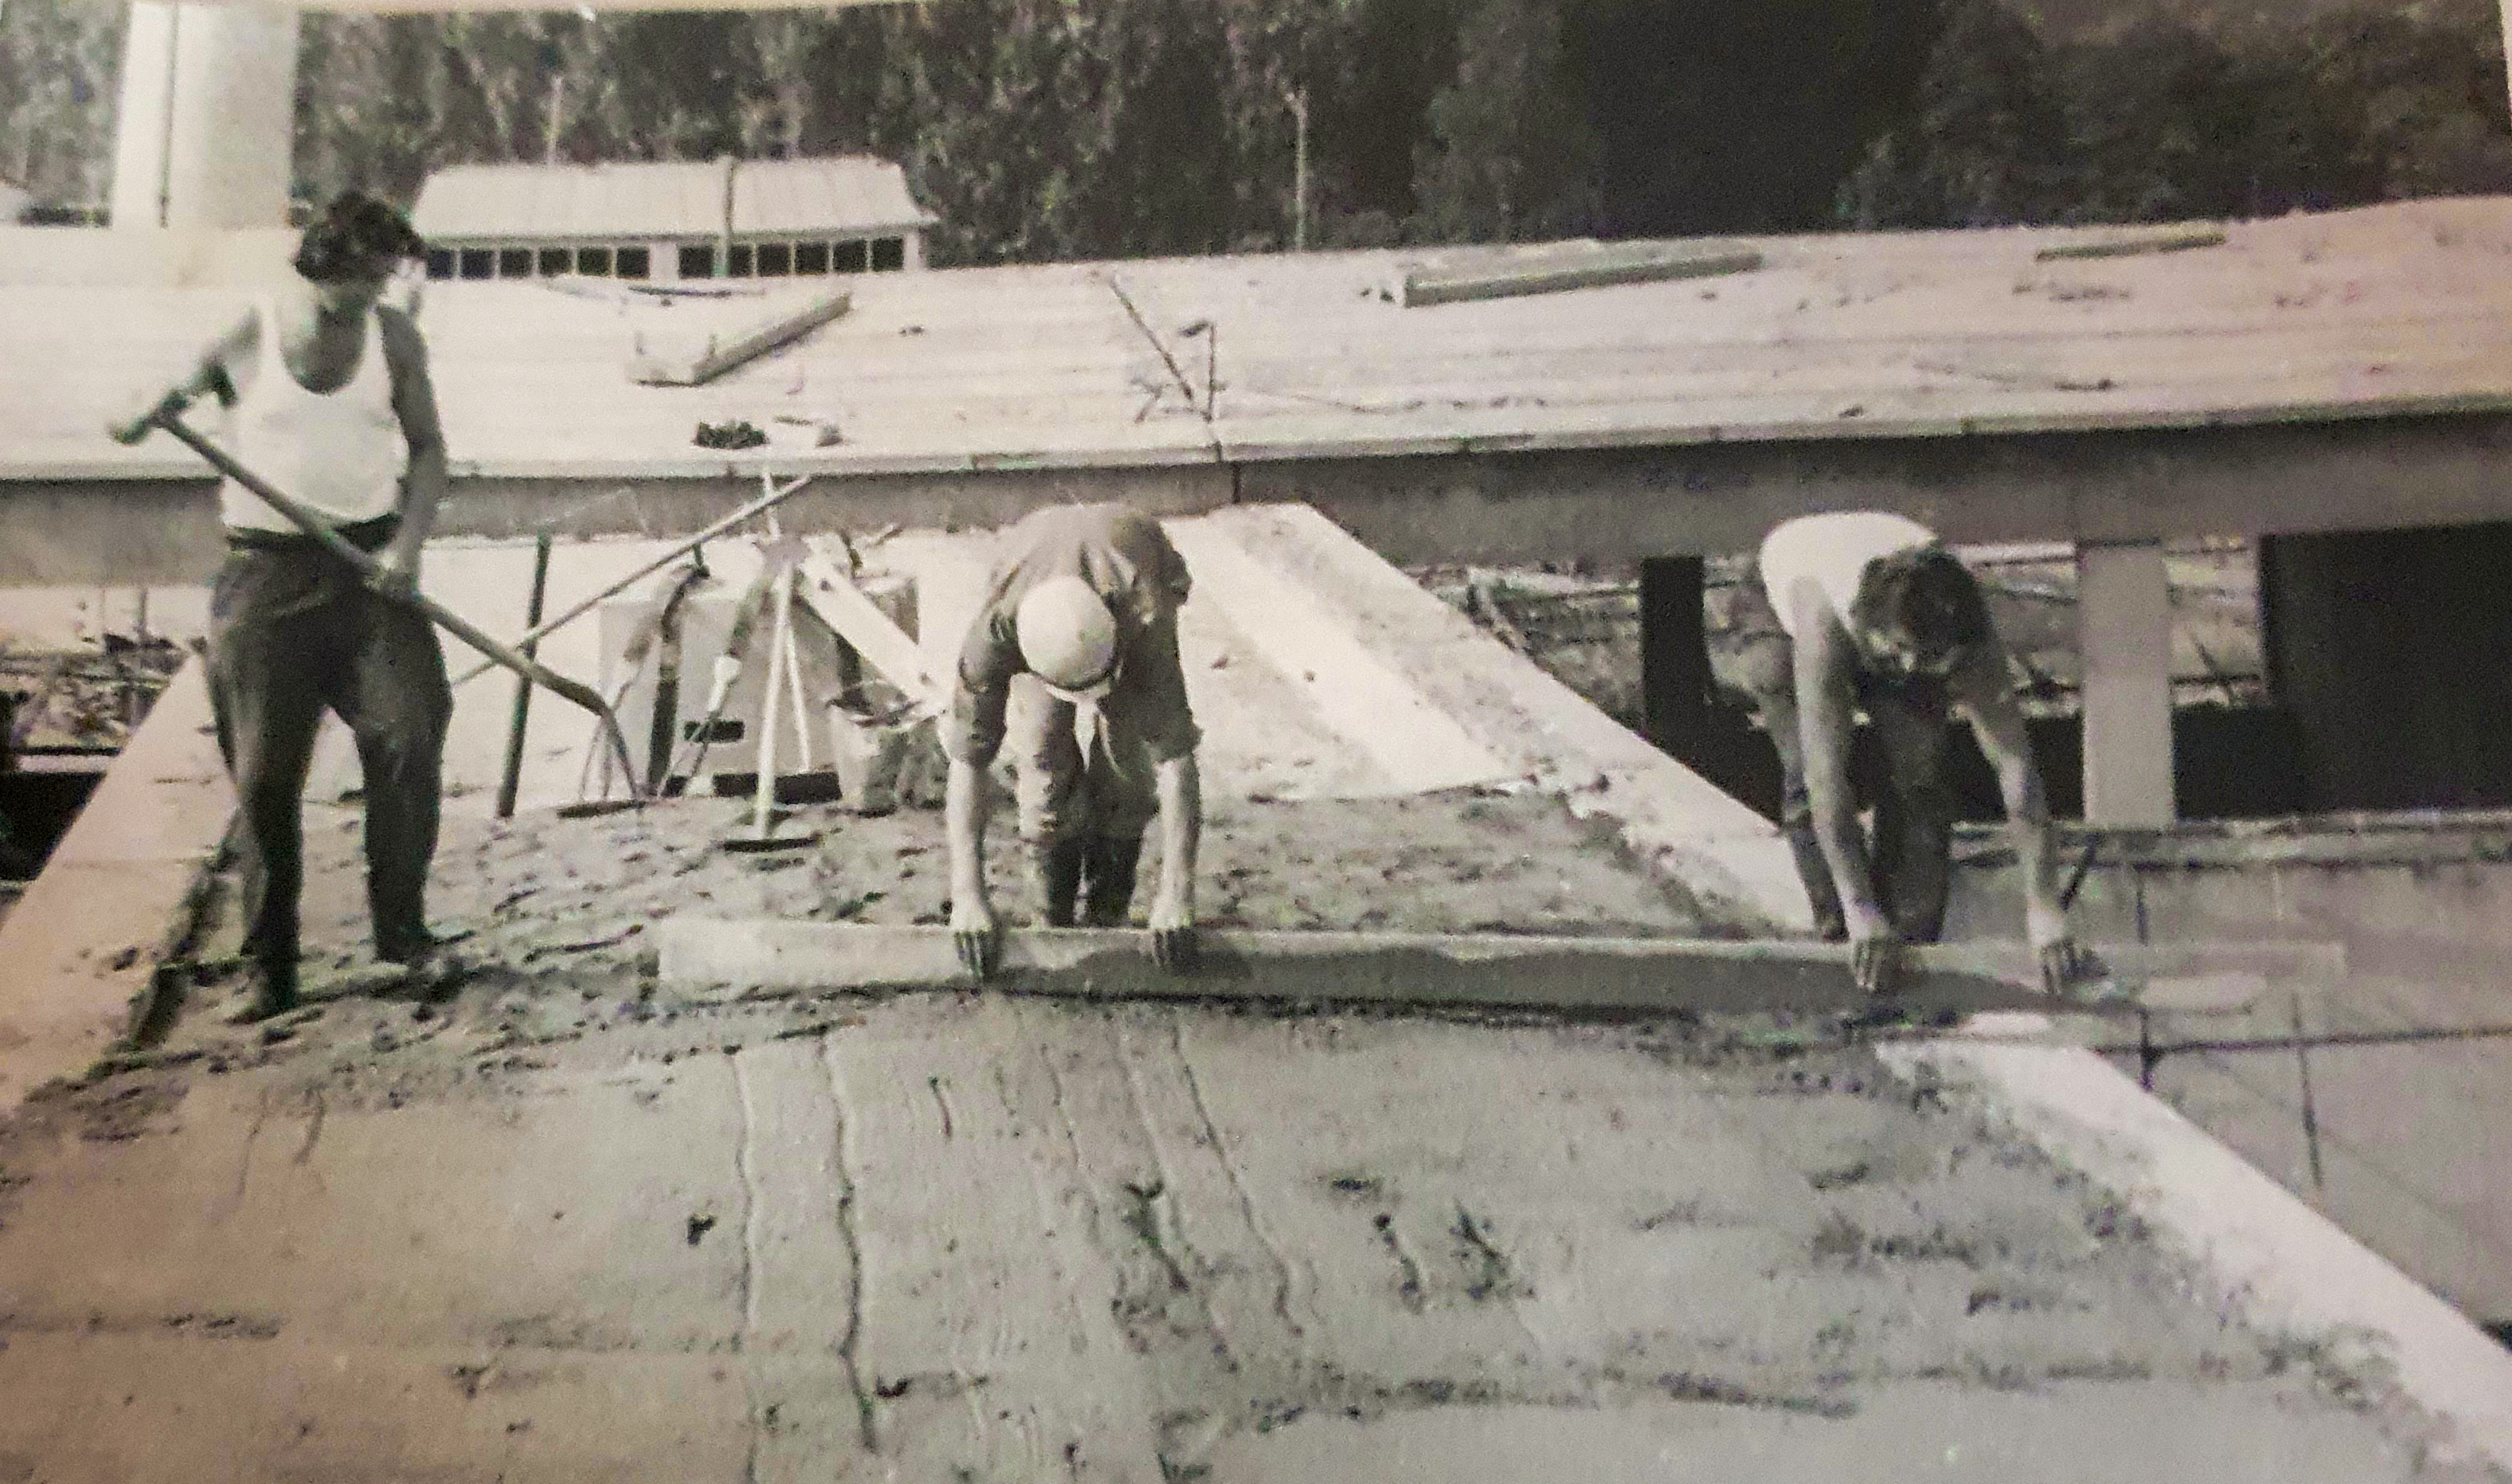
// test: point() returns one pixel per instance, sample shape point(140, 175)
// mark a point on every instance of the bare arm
point(965, 798)
point(1828, 722)
point(214, 371)
point(1981, 693)
point(415, 404)
point(1180, 786)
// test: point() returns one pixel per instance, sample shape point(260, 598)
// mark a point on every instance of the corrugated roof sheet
point(840, 194)
point(2388, 310)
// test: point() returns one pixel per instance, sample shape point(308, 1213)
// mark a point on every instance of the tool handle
point(305, 520)
point(683, 548)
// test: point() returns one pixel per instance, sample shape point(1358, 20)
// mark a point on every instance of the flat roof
point(660, 199)
point(2398, 309)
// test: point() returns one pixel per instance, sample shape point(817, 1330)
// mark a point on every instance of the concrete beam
point(1631, 975)
point(2124, 631)
point(1691, 833)
point(1500, 506)
point(1365, 699)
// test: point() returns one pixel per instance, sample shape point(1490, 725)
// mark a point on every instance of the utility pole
point(2507, 49)
point(557, 113)
point(1299, 101)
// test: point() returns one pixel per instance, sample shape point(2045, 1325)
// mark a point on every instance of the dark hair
point(1928, 596)
point(351, 232)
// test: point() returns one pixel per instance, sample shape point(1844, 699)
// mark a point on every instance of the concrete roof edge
point(2285, 1266)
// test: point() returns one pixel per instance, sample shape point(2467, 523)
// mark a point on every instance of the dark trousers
point(292, 631)
point(1911, 724)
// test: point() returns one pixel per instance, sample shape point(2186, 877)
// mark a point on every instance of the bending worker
point(329, 400)
point(1078, 634)
point(1872, 613)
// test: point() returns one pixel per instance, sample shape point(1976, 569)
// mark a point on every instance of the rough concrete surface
point(545, 1220)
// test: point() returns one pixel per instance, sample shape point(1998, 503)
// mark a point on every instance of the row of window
point(740, 259)
point(785, 259)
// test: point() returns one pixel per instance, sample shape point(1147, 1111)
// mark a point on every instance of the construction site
point(1515, 1124)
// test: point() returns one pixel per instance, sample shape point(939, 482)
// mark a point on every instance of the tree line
point(1042, 129)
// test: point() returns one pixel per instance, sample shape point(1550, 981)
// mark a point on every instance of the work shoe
point(1108, 879)
point(415, 951)
point(1057, 865)
point(270, 989)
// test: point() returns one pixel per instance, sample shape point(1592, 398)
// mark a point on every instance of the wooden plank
point(1551, 274)
point(855, 618)
point(2132, 247)
point(1490, 969)
point(716, 360)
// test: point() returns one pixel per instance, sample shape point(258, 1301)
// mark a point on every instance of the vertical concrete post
point(2506, 37)
point(208, 105)
point(2124, 629)
point(1675, 655)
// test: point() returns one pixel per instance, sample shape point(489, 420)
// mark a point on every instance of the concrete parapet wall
point(81, 947)
point(2386, 1108)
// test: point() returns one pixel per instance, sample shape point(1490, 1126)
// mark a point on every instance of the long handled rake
point(461, 628)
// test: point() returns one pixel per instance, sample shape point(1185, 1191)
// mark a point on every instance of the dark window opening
point(440, 263)
point(479, 262)
point(697, 263)
point(888, 254)
point(514, 263)
point(853, 256)
point(631, 262)
point(810, 257)
point(593, 260)
point(736, 260)
point(776, 259)
point(554, 261)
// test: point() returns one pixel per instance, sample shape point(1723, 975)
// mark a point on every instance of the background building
point(720, 218)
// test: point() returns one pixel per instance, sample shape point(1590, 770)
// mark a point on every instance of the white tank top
point(1833, 550)
point(339, 451)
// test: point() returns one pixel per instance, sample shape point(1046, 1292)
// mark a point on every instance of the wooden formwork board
point(1631, 975)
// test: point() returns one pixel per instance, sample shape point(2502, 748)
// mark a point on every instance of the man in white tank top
point(328, 401)
point(1866, 610)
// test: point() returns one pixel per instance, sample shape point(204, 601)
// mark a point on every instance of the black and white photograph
point(1256, 741)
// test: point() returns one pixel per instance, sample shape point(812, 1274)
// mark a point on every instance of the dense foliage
point(1058, 128)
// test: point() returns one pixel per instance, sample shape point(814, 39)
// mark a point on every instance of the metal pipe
point(305, 520)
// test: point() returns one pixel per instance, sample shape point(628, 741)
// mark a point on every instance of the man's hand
point(131, 430)
point(2064, 965)
point(2063, 962)
point(977, 934)
point(1875, 956)
point(1173, 941)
